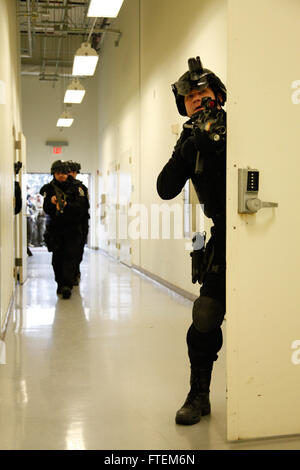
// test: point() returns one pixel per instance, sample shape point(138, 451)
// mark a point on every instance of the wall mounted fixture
point(65, 120)
point(85, 60)
point(75, 92)
point(104, 8)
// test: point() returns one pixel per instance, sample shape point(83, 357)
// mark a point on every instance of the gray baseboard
point(178, 290)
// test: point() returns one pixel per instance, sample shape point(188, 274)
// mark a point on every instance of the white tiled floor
point(106, 369)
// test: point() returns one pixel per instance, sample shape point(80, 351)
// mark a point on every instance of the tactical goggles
point(61, 169)
point(184, 85)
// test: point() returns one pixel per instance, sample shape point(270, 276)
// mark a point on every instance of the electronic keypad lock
point(248, 202)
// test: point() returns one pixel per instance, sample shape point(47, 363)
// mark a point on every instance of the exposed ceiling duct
point(52, 30)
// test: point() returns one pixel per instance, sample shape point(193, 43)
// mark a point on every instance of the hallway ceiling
point(50, 33)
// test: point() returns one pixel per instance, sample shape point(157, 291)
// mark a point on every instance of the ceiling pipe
point(58, 5)
point(29, 55)
point(52, 76)
point(90, 33)
point(61, 27)
point(79, 31)
point(43, 67)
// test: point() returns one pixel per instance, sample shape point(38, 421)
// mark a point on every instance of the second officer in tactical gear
point(74, 169)
point(200, 155)
point(64, 203)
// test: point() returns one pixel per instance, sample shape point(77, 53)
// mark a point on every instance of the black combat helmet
point(59, 166)
point(197, 78)
point(74, 166)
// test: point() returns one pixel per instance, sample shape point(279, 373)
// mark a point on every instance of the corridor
point(106, 369)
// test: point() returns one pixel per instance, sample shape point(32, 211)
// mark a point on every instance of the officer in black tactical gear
point(18, 192)
point(75, 168)
point(65, 204)
point(200, 154)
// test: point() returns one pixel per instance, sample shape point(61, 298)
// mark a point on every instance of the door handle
point(256, 204)
point(248, 201)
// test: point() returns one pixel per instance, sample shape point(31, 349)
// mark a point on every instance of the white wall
point(42, 105)
point(10, 126)
point(263, 297)
point(119, 101)
point(137, 107)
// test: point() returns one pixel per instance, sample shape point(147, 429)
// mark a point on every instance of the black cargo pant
point(204, 337)
point(83, 241)
point(67, 246)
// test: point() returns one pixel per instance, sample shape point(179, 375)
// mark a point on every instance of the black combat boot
point(59, 289)
point(197, 402)
point(66, 292)
point(76, 280)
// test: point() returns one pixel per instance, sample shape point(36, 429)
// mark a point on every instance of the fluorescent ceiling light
point(75, 92)
point(104, 8)
point(85, 60)
point(65, 120)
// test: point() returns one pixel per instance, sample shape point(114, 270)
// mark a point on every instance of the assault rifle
point(61, 199)
point(210, 120)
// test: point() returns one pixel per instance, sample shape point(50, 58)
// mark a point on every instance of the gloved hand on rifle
point(55, 201)
point(209, 125)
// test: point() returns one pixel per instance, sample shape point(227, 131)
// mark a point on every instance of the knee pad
point(208, 314)
point(203, 346)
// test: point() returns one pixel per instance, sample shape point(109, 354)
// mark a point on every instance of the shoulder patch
point(81, 192)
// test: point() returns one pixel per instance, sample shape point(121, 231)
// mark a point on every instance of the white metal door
point(22, 220)
point(125, 188)
point(263, 249)
point(112, 201)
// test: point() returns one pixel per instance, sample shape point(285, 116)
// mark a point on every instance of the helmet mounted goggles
point(74, 166)
point(196, 78)
point(60, 167)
